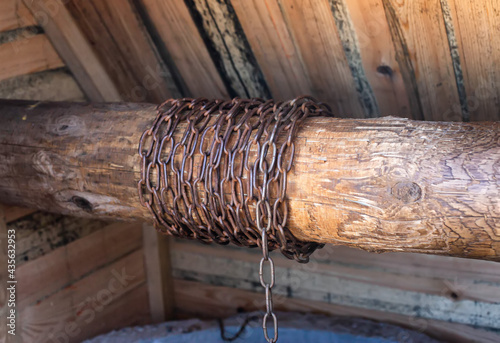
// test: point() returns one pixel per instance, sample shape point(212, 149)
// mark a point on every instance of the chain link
point(232, 157)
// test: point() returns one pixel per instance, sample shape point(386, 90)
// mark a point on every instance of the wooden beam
point(381, 184)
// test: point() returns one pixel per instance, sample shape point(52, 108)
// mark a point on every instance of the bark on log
point(381, 185)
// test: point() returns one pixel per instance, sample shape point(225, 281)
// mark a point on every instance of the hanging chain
point(217, 171)
point(267, 286)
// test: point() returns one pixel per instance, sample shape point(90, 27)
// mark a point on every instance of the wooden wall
point(76, 277)
point(420, 59)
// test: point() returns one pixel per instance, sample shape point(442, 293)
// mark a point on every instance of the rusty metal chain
point(216, 171)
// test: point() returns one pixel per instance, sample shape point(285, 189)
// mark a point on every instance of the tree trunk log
point(381, 185)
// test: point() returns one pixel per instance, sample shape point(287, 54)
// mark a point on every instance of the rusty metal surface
point(233, 156)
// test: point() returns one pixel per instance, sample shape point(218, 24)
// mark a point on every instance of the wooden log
point(385, 184)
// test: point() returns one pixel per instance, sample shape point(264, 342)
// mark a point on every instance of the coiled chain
point(216, 171)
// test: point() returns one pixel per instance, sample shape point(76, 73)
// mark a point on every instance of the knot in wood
point(407, 191)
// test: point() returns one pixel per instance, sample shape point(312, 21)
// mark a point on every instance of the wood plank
point(27, 55)
point(49, 85)
point(60, 268)
point(229, 48)
point(188, 52)
point(213, 301)
point(438, 275)
point(420, 39)
point(74, 49)
point(125, 49)
point(41, 233)
point(340, 285)
point(323, 55)
point(13, 213)
point(113, 296)
point(476, 28)
point(14, 15)
point(352, 52)
point(274, 48)
point(379, 57)
point(156, 249)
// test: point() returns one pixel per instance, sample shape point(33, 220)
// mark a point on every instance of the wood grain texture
point(49, 85)
point(352, 52)
point(186, 48)
point(124, 48)
point(322, 53)
point(229, 48)
point(379, 57)
point(27, 55)
point(274, 48)
point(209, 301)
point(14, 15)
point(422, 49)
point(476, 25)
point(63, 266)
point(341, 284)
point(74, 49)
point(156, 249)
point(41, 233)
point(380, 185)
point(113, 296)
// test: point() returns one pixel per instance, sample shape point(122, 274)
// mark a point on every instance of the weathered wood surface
point(453, 300)
point(29, 54)
point(381, 185)
point(74, 49)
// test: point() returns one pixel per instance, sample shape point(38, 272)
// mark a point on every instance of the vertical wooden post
point(156, 249)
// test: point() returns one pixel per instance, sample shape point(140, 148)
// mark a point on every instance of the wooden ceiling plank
point(14, 15)
point(181, 38)
point(316, 35)
point(74, 49)
point(273, 46)
point(478, 43)
point(28, 55)
point(125, 49)
point(421, 42)
point(379, 57)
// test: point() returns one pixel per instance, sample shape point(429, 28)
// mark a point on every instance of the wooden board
point(41, 233)
point(423, 52)
point(323, 55)
point(113, 296)
point(156, 249)
point(379, 57)
point(50, 85)
point(74, 49)
point(229, 48)
point(203, 300)
point(14, 15)
point(180, 37)
point(273, 46)
point(125, 49)
point(476, 29)
point(27, 55)
point(61, 267)
point(438, 289)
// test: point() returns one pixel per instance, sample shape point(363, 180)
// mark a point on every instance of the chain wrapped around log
point(386, 184)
